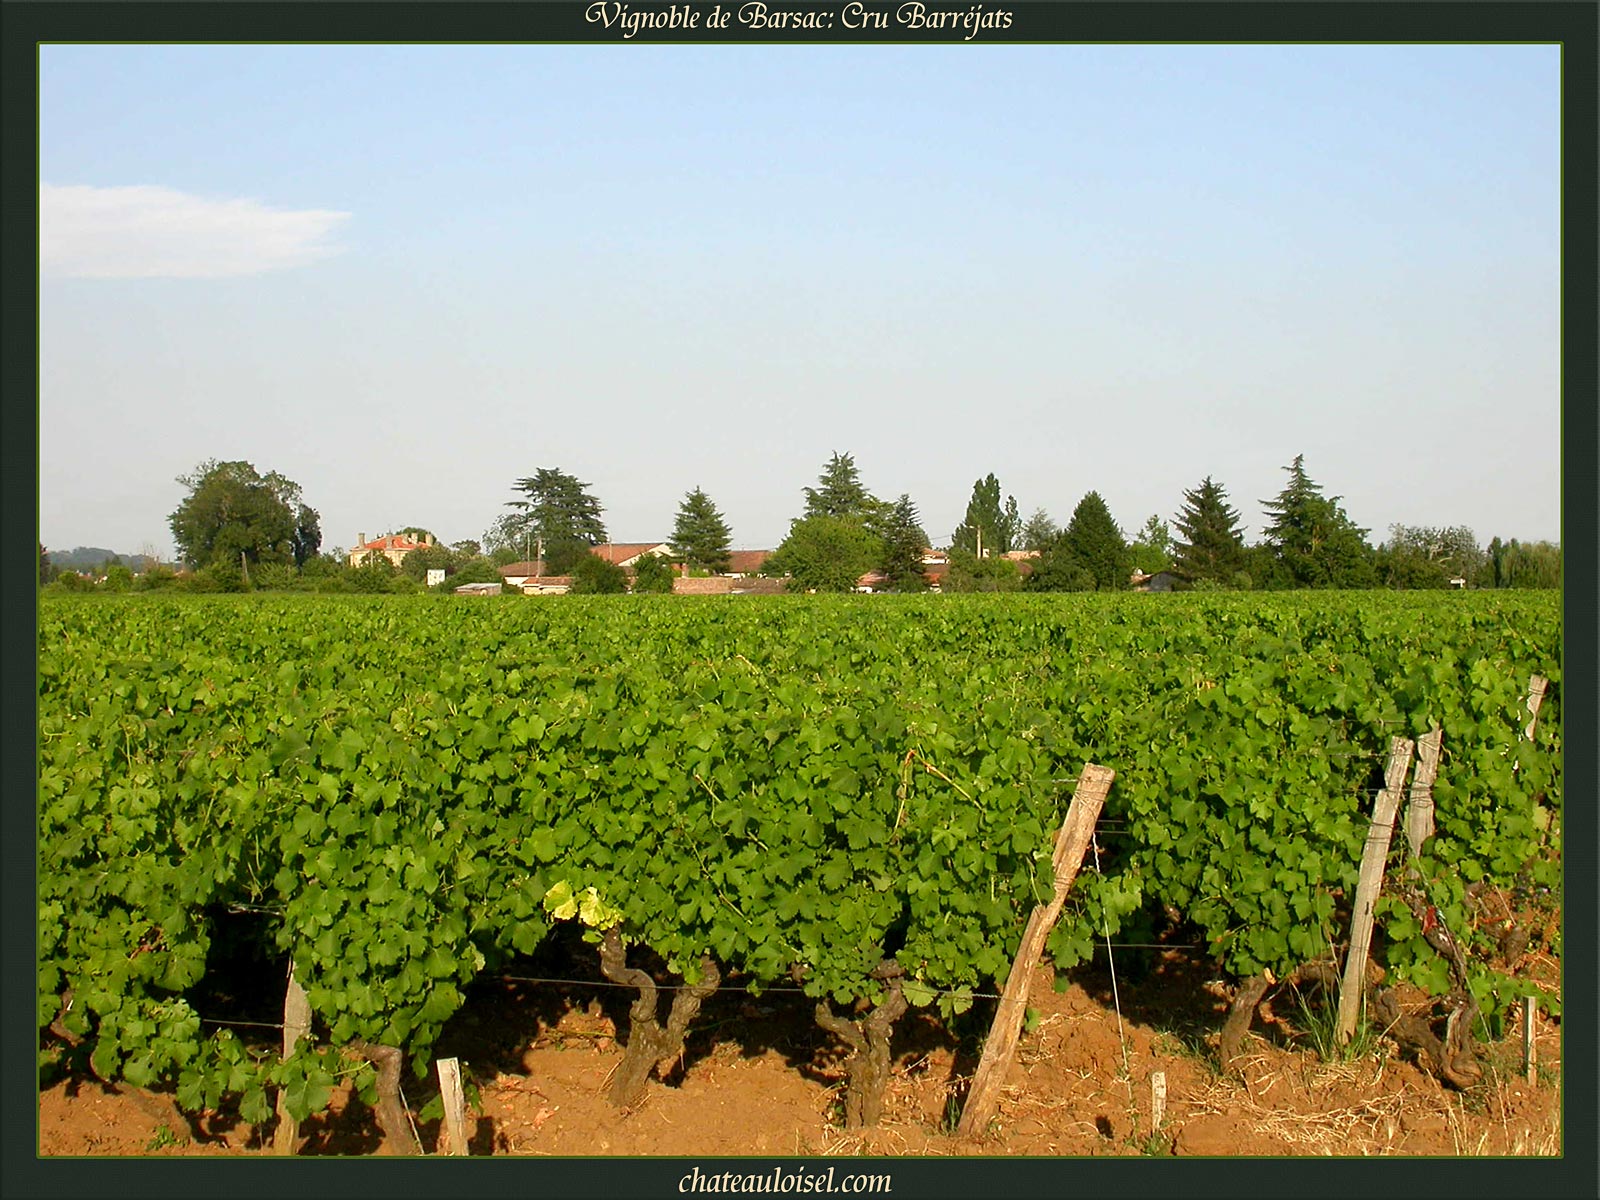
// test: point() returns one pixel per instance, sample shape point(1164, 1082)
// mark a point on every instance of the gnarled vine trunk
point(650, 1045)
point(398, 1135)
point(867, 1070)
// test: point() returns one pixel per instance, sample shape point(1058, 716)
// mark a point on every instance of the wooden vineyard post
point(455, 1106)
point(1419, 805)
point(1071, 843)
point(1530, 1062)
point(1158, 1100)
point(1368, 884)
point(296, 1023)
point(1537, 686)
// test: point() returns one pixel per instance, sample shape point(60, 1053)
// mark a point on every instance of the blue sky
point(405, 276)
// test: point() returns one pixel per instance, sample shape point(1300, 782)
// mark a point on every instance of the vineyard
point(404, 797)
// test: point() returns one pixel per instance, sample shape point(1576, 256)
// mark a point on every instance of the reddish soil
point(759, 1077)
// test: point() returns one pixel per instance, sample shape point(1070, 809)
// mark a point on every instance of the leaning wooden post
point(1419, 805)
point(1368, 884)
point(296, 1024)
point(1071, 843)
point(455, 1106)
point(1537, 686)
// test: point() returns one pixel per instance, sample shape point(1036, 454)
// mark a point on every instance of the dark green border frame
point(1572, 24)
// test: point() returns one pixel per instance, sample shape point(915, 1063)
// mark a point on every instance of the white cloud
point(150, 232)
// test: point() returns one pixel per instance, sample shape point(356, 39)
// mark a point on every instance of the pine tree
point(840, 493)
point(1093, 542)
point(559, 512)
point(1314, 542)
point(903, 544)
point(701, 537)
point(1213, 543)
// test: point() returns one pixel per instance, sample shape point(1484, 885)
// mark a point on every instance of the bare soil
point(758, 1077)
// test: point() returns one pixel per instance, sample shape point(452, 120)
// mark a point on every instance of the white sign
point(435, 576)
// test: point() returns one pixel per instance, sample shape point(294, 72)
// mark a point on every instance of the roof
point(393, 541)
point(535, 567)
point(621, 552)
point(747, 562)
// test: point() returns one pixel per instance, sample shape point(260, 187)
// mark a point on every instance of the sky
point(407, 276)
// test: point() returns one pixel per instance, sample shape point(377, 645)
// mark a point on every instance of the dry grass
point(1366, 1127)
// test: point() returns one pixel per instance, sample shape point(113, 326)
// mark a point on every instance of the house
point(478, 589)
point(393, 546)
point(742, 564)
point(531, 578)
point(517, 573)
point(628, 554)
point(547, 585)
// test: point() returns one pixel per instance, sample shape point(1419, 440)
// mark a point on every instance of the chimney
point(427, 539)
point(361, 539)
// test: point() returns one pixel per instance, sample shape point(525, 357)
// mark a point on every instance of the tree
point(1212, 545)
point(968, 573)
point(1151, 551)
point(1428, 557)
point(701, 537)
point(840, 493)
point(1092, 541)
point(558, 514)
point(1055, 570)
point(652, 573)
point(1315, 543)
point(417, 563)
point(232, 510)
point(47, 570)
point(825, 554)
point(1040, 531)
point(903, 541)
point(473, 569)
point(374, 574)
point(987, 526)
point(593, 575)
point(1522, 565)
point(307, 537)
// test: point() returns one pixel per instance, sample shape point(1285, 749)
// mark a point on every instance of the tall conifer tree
point(1211, 543)
point(701, 536)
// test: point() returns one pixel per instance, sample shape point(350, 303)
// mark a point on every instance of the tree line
point(237, 529)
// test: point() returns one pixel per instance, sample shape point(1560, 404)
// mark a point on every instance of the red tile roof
point(747, 562)
point(393, 541)
point(617, 552)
